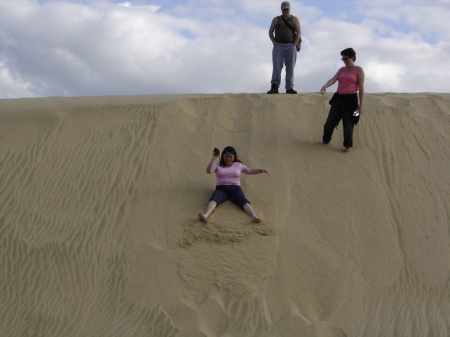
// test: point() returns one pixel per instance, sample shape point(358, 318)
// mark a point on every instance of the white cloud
point(427, 19)
point(130, 5)
point(391, 3)
point(11, 87)
point(70, 48)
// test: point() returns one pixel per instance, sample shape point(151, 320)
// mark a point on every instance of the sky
point(111, 47)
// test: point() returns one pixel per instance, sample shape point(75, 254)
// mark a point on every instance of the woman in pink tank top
point(344, 103)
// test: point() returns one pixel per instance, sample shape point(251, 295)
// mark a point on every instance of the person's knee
point(215, 200)
point(330, 125)
point(239, 201)
point(218, 196)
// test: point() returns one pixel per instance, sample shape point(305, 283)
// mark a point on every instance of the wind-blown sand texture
point(99, 235)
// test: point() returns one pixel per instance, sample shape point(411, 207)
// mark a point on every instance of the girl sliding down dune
point(228, 185)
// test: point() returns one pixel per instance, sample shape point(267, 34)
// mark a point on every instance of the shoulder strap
point(287, 24)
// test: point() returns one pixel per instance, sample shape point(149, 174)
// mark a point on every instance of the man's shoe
point(291, 91)
point(273, 89)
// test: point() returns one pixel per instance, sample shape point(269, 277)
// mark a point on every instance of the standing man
point(284, 47)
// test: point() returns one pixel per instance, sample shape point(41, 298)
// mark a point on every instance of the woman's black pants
point(337, 112)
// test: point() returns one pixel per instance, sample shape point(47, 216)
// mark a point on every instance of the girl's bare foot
point(202, 217)
point(347, 149)
point(257, 219)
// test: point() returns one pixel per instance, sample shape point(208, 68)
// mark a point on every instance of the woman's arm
point(330, 82)
point(361, 78)
point(210, 168)
point(256, 171)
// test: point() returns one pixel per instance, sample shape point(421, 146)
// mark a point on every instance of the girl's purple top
point(229, 175)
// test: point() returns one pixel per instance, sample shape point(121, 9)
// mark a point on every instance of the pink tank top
point(348, 82)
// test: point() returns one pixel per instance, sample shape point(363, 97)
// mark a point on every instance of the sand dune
point(99, 235)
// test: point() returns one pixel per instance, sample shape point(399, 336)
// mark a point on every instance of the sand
point(99, 234)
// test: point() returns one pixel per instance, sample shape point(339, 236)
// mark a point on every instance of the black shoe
point(273, 89)
point(291, 91)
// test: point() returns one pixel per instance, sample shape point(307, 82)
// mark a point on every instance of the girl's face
point(228, 158)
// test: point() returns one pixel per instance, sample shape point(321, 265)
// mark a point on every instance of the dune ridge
point(99, 236)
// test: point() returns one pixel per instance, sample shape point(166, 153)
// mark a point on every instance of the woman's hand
point(216, 154)
point(360, 109)
point(322, 91)
point(210, 168)
point(265, 171)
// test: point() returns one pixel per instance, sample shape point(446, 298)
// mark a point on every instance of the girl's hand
point(215, 155)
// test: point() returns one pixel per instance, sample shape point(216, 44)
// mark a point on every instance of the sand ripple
point(98, 235)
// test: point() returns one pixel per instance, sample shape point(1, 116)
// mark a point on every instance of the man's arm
point(272, 29)
point(298, 30)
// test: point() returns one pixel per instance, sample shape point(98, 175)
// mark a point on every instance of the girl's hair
point(230, 150)
point(350, 53)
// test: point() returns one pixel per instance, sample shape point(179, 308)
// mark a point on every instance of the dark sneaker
point(291, 91)
point(273, 89)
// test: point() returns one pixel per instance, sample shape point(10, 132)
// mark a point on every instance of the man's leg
point(290, 55)
point(277, 61)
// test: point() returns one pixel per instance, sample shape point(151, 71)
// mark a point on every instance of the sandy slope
point(99, 236)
